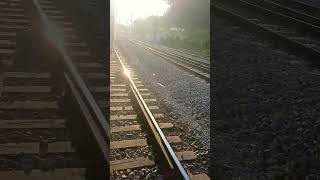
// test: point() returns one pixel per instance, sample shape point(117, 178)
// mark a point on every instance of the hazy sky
point(138, 9)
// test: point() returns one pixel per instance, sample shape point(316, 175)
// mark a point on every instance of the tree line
point(186, 24)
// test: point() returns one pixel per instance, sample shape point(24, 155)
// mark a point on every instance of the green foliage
point(150, 24)
point(192, 38)
point(185, 13)
point(193, 16)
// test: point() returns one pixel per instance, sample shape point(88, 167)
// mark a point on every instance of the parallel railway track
point(189, 52)
point(295, 9)
point(284, 27)
point(199, 67)
point(184, 54)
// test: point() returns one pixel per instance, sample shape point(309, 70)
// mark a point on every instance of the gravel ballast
point(185, 96)
point(266, 121)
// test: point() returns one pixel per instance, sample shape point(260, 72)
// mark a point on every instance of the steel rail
point(169, 52)
point(191, 52)
point(53, 35)
point(289, 11)
point(179, 53)
point(300, 25)
point(161, 140)
point(303, 6)
point(194, 53)
point(200, 71)
point(274, 18)
point(205, 58)
point(277, 39)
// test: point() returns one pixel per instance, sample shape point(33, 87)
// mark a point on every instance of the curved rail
point(166, 150)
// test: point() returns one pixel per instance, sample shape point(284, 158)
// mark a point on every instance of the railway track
point(295, 9)
point(188, 52)
point(291, 30)
point(193, 56)
point(144, 144)
point(53, 111)
point(51, 126)
point(198, 67)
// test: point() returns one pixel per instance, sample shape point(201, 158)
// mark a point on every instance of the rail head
point(161, 140)
point(54, 36)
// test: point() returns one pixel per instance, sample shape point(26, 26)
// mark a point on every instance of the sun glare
point(129, 10)
point(126, 72)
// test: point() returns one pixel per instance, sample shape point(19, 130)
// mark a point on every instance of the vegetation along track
point(139, 148)
point(284, 27)
point(48, 131)
point(199, 67)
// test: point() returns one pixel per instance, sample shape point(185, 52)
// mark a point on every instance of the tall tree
point(187, 13)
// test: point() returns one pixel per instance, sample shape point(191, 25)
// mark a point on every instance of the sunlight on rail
point(126, 72)
point(52, 32)
point(54, 35)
